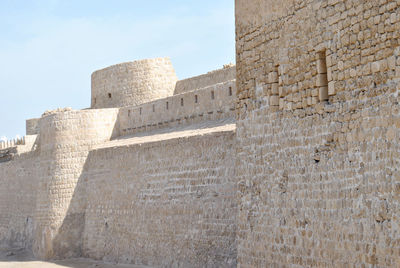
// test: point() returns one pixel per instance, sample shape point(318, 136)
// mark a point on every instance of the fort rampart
point(81, 159)
point(207, 104)
point(317, 92)
point(289, 159)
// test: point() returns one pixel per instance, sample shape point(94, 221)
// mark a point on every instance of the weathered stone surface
point(133, 83)
point(320, 180)
point(307, 175)
point(7, 154)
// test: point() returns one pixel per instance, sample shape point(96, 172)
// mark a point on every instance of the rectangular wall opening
point(166, 105)
point(322, 79)
point(109, 95)
point(230, 91)
point(212, 95)
point(181, 101)
point(196, 99)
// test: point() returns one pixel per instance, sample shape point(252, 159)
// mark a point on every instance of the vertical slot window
point(322, 79)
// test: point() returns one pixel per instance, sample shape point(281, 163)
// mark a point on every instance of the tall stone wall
point(18, 190)
point(133, 83)
point(318, 133)
point(170, 203)
point(65, 141)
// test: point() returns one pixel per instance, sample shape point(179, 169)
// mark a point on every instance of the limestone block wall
point(65, 140)
point(133, 83)
point(32, 126)
point(206, 80)
point(18, 190)
point(318, 134)
point(170, 203)
point(209, 103)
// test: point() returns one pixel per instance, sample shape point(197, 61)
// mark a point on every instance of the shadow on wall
point(69, 240)
point(126, 209)
point(65, 141)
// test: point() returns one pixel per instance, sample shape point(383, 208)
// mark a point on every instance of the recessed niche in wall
point(196, 99)
point(109, 95)
point(212, 94)
point(322, 79)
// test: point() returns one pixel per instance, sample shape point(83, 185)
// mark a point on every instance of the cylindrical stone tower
point(133, 83)
point(65, 141)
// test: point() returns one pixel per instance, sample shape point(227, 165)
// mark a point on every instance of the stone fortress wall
point(318, 92)
point(206, 104)
point(18, 190)
point(83, 158)
point(169, 202)
point(289, 159)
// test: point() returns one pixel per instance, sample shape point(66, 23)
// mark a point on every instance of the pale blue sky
point(49, 48)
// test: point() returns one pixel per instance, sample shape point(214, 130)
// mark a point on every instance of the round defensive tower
point(65, 140)
point(133, 83)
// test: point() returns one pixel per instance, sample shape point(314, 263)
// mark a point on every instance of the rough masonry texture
point(317, 149)
point(291, 158)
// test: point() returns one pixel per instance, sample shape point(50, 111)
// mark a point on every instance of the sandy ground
point(19, 258)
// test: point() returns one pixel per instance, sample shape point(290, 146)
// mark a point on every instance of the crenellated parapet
point(12, 143)
point(206, 104)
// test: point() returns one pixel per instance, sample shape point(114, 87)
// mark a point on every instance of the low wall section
point(210, 103)
point(18, 189)
point(205, 80)
point(170, 203)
